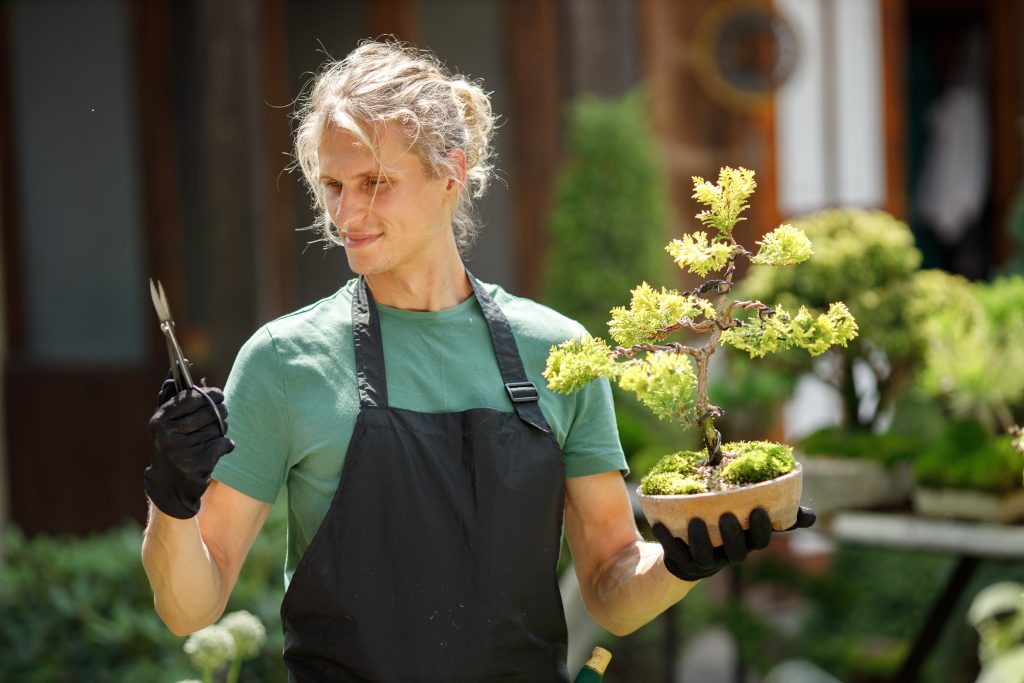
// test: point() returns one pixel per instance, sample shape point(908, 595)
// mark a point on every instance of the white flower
point(248, 632)
point(210, 648)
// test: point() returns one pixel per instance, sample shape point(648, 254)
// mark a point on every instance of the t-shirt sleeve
point(592, 443)
point(258, 422)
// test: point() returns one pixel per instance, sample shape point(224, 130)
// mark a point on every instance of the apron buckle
point(522, 392)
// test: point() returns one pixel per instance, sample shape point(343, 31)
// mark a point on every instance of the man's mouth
point(356, 240)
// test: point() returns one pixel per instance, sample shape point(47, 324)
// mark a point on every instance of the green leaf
point(651, 310)
point(576, 362)
point(761, 335)
point(726, 200)
point(694, 253)
point(664, 382)
point(783, 246)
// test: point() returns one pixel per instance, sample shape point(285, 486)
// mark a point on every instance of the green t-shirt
point(293, 399)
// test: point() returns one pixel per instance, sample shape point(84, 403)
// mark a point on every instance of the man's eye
point(374, 182)
point(332, 185)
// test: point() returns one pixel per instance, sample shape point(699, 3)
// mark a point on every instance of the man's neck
point(422, 289)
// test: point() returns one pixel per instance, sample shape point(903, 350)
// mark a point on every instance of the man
point(429, 470)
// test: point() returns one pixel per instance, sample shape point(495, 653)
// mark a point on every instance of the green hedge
point(80, 609)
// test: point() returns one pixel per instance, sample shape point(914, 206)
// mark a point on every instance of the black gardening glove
point(699, 559)
point(187, 443)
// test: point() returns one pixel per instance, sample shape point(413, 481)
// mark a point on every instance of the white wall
point(830, 151)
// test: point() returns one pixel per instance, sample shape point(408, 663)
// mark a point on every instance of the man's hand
point(699, 559)
point(187, 443)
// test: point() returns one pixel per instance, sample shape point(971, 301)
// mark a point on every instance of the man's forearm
point(188, 588)
point(633, 588)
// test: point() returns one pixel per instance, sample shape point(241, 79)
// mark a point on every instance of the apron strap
point(372, 378)
point(524, 394)
point(370, 374)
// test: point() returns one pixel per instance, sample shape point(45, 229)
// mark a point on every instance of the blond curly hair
point(383, 82)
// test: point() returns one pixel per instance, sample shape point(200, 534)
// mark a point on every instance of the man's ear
point(458, 158)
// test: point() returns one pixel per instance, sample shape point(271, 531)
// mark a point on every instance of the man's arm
point(623, 580)
point(193, 564)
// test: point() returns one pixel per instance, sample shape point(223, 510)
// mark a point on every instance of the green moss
point(758, 461)
point(674, 475)
point(966, 456)
point(887, 449)
point(670, 484)
point(681, 462)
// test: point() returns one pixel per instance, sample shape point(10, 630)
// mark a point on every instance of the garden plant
point(671, 377)
point(868, 260)
point(238, 637)
point(974, 368)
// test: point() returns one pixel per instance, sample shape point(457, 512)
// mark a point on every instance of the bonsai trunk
point(706, 412)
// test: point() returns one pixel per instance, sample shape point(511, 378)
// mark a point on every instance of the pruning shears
point(179, 364)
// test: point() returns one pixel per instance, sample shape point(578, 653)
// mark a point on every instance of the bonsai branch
point(673, 347)
point(762, 309)
point(688, 324)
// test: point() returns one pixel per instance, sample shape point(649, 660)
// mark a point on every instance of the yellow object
point(599, 660)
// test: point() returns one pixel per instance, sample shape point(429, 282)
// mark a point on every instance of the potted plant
point(997, 614)
point(868, 260)
point(974, 366)
point(671, 377)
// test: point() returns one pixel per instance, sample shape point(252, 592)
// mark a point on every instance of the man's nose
point(349, 208)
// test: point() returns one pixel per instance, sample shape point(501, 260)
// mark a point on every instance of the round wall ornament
point(743, 50)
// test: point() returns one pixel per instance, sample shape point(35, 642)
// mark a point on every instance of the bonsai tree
point(671, 377)
point(868, 260)
point(974, 367)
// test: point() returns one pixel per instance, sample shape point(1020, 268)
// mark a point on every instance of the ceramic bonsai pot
point(779, 496)
point(969, 504)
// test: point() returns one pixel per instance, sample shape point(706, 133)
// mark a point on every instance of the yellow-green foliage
point(725, 200)
point(783, 246)
point(665, 379)
point(575, 362)
point(758, 461)
point(694, 253)
point(865, 259)
point(650, 310)
point(674, 474)
point(761, 335)
point(973, 358)
point(665, 383)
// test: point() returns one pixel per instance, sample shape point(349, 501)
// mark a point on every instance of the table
point(971, 542)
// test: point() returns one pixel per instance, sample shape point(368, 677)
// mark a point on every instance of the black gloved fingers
point(197, 420)
point(168, 390)
point(699, 545)
point(805, 517)
point(759, 531)
point(196, 462)
point(190, 400)
point(734, 541)
point(189, 430)
point(674, 547)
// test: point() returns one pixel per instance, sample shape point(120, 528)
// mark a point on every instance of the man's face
point(391, 214)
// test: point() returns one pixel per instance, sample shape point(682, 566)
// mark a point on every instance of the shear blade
point(156, 292)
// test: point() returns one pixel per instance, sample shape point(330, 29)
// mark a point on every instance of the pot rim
point(796, 471)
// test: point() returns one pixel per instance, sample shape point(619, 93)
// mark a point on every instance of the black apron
point(437, 559)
